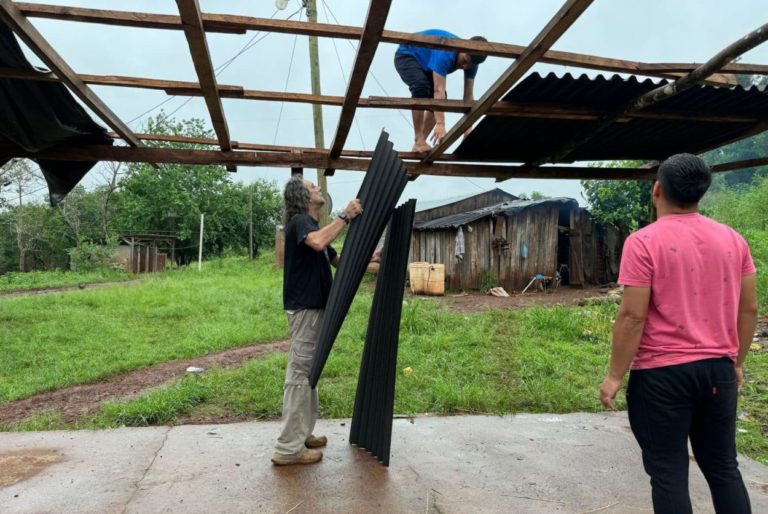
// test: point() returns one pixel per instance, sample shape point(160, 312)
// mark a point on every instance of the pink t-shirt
point(693, 266)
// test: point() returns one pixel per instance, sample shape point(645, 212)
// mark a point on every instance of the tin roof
point(502, 209)
point(528, 139)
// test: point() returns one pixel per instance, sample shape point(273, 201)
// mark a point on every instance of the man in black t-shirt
point(306, 284)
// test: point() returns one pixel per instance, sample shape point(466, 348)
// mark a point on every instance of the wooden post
point(200, 247)
point(654, 215)
point(250, 223)
point(317, 110)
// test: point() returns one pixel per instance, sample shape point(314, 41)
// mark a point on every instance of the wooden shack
point(508, 243)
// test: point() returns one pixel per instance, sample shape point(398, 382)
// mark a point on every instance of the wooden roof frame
point(195, 24)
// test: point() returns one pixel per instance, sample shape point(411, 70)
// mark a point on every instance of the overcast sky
point(649, 30)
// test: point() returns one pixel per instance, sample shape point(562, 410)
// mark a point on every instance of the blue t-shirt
point(441, 62)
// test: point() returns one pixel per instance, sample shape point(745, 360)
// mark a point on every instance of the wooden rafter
point(568, 13)
point(740, 165)
point(366, 49)
point(198, 47)
point(725, 56)
point(314, 160)
point(406, 156)
point(12, 17)
point(241, 24)
point(500, 108)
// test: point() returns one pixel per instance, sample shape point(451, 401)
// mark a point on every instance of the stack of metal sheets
point(384, 182)
point(375, 399)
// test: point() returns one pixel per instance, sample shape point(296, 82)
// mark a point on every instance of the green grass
point(48, 342)
point(16, 281)
point(533, 360)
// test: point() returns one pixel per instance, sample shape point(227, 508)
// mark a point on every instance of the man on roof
point(424, 71)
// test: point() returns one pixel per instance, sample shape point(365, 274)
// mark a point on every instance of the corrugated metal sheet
point(382, 186)
point(502, 209)
point(375, 399)
point(518, 139)
point(464, 204)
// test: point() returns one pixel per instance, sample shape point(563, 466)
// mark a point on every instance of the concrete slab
point(573, 463)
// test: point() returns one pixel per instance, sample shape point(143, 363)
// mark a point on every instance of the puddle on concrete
point(20, 465)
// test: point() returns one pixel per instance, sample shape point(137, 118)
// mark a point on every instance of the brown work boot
point(316, 442)
point(302, 457)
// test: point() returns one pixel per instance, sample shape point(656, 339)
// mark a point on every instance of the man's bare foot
point(421, 148)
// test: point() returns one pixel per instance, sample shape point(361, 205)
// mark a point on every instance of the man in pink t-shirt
point(684, 327)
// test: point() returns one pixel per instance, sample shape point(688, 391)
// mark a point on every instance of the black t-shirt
point(306, 274)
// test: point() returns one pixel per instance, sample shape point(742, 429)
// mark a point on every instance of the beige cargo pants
point(299, 399)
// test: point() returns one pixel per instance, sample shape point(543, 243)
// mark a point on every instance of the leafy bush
point(91, 257)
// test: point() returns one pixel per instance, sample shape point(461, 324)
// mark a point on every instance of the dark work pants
point(696, 400)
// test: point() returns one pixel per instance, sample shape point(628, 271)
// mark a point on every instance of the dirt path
point(59, 289)
point(76, 401)
point(475, 301)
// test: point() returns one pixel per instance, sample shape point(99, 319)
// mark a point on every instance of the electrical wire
point(343, 75)
point(373, 75)
point(250, 44)
point(287, 78)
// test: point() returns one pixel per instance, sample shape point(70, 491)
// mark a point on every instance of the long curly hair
point(296, 198)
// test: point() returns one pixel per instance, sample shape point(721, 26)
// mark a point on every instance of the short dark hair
point(477, 58)
point(684, 179)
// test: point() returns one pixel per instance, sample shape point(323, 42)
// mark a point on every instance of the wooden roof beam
point(413, 156)
point(500, 108)
point(366, 49)
point(568, 13)
point(11, 16)
point(313, 160)
point(240, 24)
point(725, 56)
point(198, 47)
point(304, 160)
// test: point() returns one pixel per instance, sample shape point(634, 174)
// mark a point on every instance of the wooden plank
point(315, 159)
point(500, 108)
point(366, 49)
point(109, 17)
point(739, 165)
point(192, 22)
point(12, 17)
point(565, 17)
point(241, 24)
point(744, 69)
point(725, 56)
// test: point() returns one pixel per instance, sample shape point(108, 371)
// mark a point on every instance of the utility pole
point(250, 223)
point(317, 110)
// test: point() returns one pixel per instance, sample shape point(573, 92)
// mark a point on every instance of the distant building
point(506, 243)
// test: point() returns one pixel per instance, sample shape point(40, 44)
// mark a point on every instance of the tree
point(750, 148)
point(622, 203)
point(21, 181)
point(172, 198)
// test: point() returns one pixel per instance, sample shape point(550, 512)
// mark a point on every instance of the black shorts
point(419, 81)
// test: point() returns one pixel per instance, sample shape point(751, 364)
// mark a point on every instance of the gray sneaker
point(302, 457)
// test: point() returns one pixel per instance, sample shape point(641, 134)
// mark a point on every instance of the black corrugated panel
point(382, 186)
point(514, 139)
point(38, 115)
point(501, 209)
point(375, 399)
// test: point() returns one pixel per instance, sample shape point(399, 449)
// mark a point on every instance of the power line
point(343, 75)
point(250, 44)
point(287, 78)
point(409, 122)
